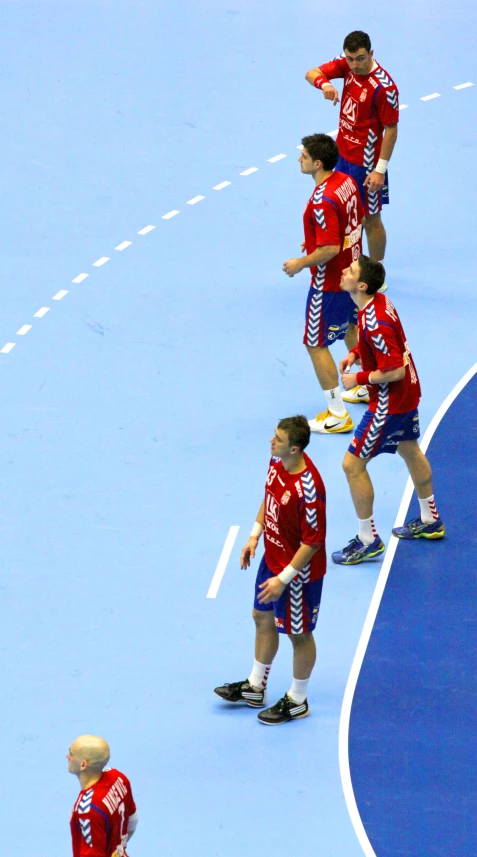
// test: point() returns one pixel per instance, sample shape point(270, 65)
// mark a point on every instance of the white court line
point(145, 230)
point(59, 295)
point(24, 329)
point(332, 133)
point(428, 97)
point(79, 278)
point(170, 214)
point(221, 185)
point(403, 106)
point(368, 627)
point(276, 158)
point(194, 200)
point(463, 85)
point(123, 245)
point(222, 563)
point(249, 171)
point(100, 262)
point(41, 312)
point(7, 348)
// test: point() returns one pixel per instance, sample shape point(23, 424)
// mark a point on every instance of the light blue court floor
point(138, 407)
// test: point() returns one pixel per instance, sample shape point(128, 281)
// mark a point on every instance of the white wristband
point(326, 84)
point(381, 166)
point(257, 530)
point(288, 574)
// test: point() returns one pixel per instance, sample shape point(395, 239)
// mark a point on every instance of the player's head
point(319, 151)
point(88, 753)
point(357, 50)
point(363, 275)
point(292, 436)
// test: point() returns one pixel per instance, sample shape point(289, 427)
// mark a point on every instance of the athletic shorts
point(376, 434)
point(296, 611)
point(327, 317)
point(372, 202)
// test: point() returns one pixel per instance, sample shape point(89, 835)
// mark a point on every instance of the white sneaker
point(355, 395)
point(327, 423)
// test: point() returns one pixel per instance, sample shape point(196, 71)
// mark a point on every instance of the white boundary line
point(222, 563)
point(368, 627)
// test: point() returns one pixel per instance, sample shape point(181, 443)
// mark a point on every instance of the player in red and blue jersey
point(391, 422)
point(332, 225)
point(290, 577)
point(104, 816)
point(367, 126)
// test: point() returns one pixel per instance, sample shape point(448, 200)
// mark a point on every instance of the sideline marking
point(369, 624)
point(145, 230)
point(170, 214)
point(332, 133)
point(403, 106)
point(24, 329)
point(41, 312)
point(221, 185)
point(249, 171)
point(428, 97)
point(463, 85)
point(59, 295)
point(123, 245)
point(7, 348)
point(100, 262)
point(79, 278)
point(276, 158)
point(222, 563)
point(194, 200)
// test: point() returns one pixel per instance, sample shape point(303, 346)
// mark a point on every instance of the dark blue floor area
point(413, 739)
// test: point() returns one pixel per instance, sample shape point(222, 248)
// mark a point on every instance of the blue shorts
point(372, 202)
point(296, 611)
point(374, 436)
point(327, 317)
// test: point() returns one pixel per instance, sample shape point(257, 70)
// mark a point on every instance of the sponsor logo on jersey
point(346, 125)
point(352, 139)
point(285, 498)
point(353, 442)
point(374, 83)
point(269, 525)
point(275, 541)
point(298, 488)
point(279, 623)
point(353, 238)
point(350, 109)
point(272, 508)
point(334, 327)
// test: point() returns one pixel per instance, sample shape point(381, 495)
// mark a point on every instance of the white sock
point(297, 691)
point(429, 513)
point(335, 402)
point(259, 676)
point(367, 530)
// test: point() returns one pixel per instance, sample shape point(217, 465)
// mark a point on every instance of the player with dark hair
point(290, 577)
point(333, 226)
point(104, 816)
point(392, 421)
point(367, 127)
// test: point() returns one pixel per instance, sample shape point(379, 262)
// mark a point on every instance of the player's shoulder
point(383, 77)
point(311, 481)
point(382, 310)
point(110, 778)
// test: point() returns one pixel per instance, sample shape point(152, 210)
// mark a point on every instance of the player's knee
point(300, 639)
point(352, 465)
point(263, 618)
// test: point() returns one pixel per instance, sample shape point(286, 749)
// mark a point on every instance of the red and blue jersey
point(100, 818)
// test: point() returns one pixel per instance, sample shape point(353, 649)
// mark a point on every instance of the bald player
point(104, 816)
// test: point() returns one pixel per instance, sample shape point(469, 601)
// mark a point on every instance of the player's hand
point(347, 362)
point(349, 381)
point(293, 266)
point(248, 552)
point(375, 181)
point(303, 248)
point(331, 94)
point(271, 590)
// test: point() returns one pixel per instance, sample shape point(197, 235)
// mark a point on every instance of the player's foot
point(417, 529)
point(356, 551)
point(327, 423)
point(242, 691)
point(383, 288)
point(283, 711)
point(356, 394)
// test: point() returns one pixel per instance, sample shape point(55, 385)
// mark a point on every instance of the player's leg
point(429, 525)
point(366, 544)
point(376, 235)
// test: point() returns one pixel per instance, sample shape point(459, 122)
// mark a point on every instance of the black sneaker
point(241, 691)
point(284, 710)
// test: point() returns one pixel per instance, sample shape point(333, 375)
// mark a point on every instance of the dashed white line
point(403, 106)
point(276, 158)
point(463, 85)
point(100, 262)
point(222, 563)
point(145, 230)
point(249, 171)
point(41, 312)
point(7, 348)
point(221, 185)
point(194, 200)
point(170, 214)
point(123, 245)
point(428, 97)
point(79, 278)
point(59, 295)
point(24, 329)
point(333, 133)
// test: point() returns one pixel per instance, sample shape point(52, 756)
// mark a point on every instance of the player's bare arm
point(248, 552)
point(328, 90)
point(375, 180)
point(318, 257)
point(273, 588)
point(376, 377)
point(347, 362)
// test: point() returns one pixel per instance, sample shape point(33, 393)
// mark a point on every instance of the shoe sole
point(342, 430)
point(269, 723)
point(438, 535)
point(364, 559)
point(356, 401)
point(240, 701)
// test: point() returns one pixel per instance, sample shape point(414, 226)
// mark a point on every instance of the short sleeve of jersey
point(312, 514)
point(387, 349)
point(387, 105)
point(327, 222)
point(336, 68)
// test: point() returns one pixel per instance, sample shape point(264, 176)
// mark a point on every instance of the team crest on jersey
point(363, 95)
point(285, 498)
point(350, 109)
